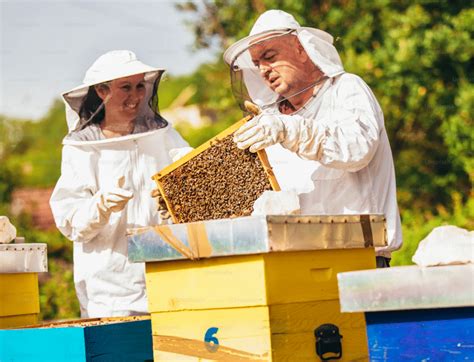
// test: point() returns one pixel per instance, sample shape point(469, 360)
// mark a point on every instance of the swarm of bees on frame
point(220, 182)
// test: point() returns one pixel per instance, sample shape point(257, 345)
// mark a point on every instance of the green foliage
point(171, 87)
point(213, 96)
point(8, 180)
point(57, 296)
point(32, 150)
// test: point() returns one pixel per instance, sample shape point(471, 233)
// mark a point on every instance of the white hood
point(112, 65)
point(317, 44)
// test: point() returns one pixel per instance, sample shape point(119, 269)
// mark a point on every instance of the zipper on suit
point(137, 181)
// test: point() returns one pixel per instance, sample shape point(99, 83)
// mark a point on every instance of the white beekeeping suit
point(104, 189)
point(334, 151)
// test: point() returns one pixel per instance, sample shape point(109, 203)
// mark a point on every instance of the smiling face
point(124, 97)
point(284, 64)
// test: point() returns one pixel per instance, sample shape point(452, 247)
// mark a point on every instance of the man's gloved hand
point(113, 200)
point(177, 153)
point(260, 132)
point(163, 212)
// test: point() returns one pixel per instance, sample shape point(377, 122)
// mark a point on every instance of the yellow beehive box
point(258, 307)
point(19, 299)
point(266, 333)
point(264, 306)
point(19, 294)
point(215, 180)
point(262, 279)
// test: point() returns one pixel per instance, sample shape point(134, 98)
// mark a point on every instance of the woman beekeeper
point(116, 142)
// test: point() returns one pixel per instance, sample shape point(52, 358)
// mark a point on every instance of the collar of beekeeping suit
point(109, 66)
point(317, 43)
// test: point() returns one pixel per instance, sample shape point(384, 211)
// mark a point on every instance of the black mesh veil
point(153, 103)
point(239, 90)
point(243, 71)
point(247, 75)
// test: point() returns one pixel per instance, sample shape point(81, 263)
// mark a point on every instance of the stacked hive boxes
point(19, 296)
point(414, 313)
point(266, 283)
point(260, 307)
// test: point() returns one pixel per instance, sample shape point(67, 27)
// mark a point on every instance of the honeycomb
point(220, 182)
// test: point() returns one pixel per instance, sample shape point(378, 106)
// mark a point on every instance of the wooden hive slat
point(207, 198)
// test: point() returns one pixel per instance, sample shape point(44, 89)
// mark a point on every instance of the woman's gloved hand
point(113, 200)
point(177, 153)
point(162, 209)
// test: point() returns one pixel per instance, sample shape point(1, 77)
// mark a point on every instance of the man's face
point(282, 63)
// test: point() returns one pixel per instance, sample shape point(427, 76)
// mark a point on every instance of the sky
point(47, 46)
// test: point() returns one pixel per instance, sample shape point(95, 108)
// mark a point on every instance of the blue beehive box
point(414, 313)
point(104, 339)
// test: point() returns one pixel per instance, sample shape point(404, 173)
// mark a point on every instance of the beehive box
point(216, 180)
point(100, 339)
point(414, 313)
point(19, 294)
point(264, 306)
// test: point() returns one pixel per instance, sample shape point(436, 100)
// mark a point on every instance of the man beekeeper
point(117, 140)
point(322, 128)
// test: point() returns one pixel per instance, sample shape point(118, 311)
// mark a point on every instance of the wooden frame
point(262, 156)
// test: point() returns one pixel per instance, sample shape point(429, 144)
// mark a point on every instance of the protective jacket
point(336, 152)
point(107, 284)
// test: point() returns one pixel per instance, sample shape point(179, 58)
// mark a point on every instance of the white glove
point(177, 153)
point(113, 200)
point(260, 132)
point(162, 209)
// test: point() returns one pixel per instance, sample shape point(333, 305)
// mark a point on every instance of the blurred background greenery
point(417, 56)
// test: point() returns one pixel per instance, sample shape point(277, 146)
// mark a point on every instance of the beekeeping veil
point(247, 82)
point(82, 103)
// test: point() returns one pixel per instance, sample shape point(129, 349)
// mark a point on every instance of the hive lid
point(23, 258)
point(255, 235)
point(406, 287)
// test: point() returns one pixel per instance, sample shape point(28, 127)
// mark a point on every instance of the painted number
point(211, 342)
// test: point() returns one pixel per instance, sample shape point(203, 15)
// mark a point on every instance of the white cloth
point(107, 284)
point(445, 245)
point(336, 152)
point(7, 230)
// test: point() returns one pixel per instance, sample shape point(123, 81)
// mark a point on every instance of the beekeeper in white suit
point(322, 128)
point(117, 140)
